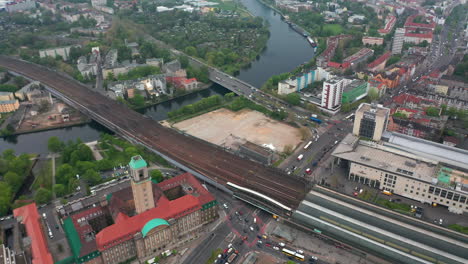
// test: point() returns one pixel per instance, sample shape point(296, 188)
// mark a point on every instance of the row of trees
point(241, 102)
point(14, 170)
point(203, 104)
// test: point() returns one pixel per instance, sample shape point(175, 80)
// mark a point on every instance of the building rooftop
point(31, 220)
point(334, 80)
point(428, 149)
point(8, 102)
point(378, 110)
point(379, 60)
point(385, 158)
point(178, 197)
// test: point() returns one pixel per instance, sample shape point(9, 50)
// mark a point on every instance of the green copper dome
point(152, 224)
point(137, 162)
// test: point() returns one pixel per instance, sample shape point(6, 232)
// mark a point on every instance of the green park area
point(229, 101)
point(334, 29)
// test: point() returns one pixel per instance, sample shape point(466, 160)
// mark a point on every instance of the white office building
point(332, 92)
point(398, 40)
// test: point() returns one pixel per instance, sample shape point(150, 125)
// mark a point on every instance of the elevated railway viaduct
point(277, 190)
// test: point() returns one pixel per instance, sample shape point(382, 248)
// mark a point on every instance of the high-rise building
point(398, 39)
point(141, 185)
point(332, 92)
point(371, 121)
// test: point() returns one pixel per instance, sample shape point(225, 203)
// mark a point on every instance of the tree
point(14, 180)
point(5, 198)
point(138, 100)
point(305, 132)
point(184, 61)
point(373, 94)
point(43, 196)
point(64, 173)
point(392, 60)
point(9, 154)
point(19, 81)
point(92, 177)
point(59, 190)
point(104, 164)
point(82, 153)
point(55, 145)
point(432, 111)
point(293, 98)
point(288, 149)
point(156, 175)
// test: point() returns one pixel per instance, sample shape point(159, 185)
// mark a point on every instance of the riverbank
point(62, 125)
point(204, 87)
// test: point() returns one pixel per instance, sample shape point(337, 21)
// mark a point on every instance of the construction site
point(232, 129)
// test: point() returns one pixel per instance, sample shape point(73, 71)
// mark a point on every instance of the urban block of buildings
point(64, 52)
point(141, 221)
point(372, 41)
point(302, 80)
point(378, 64)
point(150, 86)
point(415, 168)
point(390, 22)
point(19, 5)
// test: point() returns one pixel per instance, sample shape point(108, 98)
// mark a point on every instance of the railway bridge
point(273, 189)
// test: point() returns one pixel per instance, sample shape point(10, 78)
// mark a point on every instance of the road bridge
point(208, 162)
point(243, 88)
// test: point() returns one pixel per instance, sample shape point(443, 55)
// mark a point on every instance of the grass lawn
point(278, 162)
point(214, 255)
point(459, 228)
point(367, 196)
point(336, 29)
point(44, 179)
point(400, 207)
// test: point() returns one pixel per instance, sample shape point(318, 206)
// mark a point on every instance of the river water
point(285, 50)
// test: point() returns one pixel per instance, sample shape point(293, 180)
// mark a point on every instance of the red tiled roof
point(409, 22)
point(419, 35)
point(125, 228)
point(31, 220)
point(121, 217)
point(409, 110)
point(338, 65)
point(379, 60)
point(191, 80)
point(389, 25)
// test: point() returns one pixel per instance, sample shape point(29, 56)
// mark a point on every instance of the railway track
point(213, 162)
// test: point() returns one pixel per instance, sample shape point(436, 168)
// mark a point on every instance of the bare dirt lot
point(230, 129)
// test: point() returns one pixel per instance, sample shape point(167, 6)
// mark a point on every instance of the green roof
point(137, 162)
point(152, 224)
point(72, 236)
point(444, 175)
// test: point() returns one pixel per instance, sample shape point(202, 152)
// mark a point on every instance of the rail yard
point(204, 158)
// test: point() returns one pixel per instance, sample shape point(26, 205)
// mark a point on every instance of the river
point(285, 50)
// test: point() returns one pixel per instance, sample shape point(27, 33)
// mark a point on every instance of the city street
point(313, 157)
